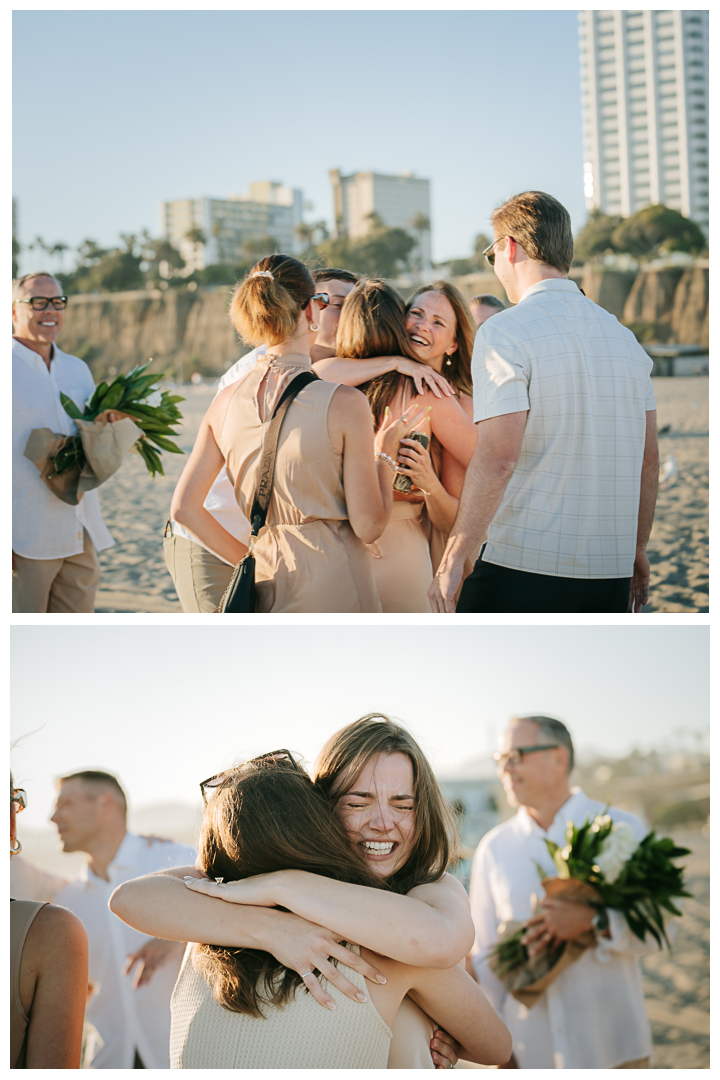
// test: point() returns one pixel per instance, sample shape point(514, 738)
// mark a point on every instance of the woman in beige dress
point(241, 1008)
point(406, 837)
point(373, 325)
point(332, 491)
point(48, 976)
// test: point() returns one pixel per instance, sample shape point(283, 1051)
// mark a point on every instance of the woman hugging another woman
point(436, 329)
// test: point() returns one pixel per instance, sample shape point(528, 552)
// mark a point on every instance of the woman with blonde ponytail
point(332, 490)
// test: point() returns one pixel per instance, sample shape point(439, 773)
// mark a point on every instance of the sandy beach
point(136, 508)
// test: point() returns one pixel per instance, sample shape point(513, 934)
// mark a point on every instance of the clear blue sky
point(166, 706)
point(141, 106)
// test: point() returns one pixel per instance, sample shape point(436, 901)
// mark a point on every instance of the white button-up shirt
point(593, 1015)
point(43, 527)
point(127, 1019)
point(571, 506)
point(220, 499)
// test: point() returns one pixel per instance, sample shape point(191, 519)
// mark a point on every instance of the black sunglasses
point(517, 753)
point(213, 783)
point(19, 796)
point(39, 303)
point(323, 299)
point(489, 253)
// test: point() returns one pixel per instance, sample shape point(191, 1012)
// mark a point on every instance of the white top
point(593, 1015)
point(220, 499)
point(571, 506)
point(126, 1018)
point(300, 1035)
point(43, 527)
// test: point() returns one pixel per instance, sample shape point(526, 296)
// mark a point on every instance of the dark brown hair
point(265, 309)
point(372, 323)
point(331, 273)
point(269, 816)
point(488, 300)
point(344, 757)
point(540, 225)
point(459, 371)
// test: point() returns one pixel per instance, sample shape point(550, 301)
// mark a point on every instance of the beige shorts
point(200, 578)
point(56, 585)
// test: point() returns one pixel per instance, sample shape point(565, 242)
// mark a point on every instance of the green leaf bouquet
point(135, 395)
point(604, 865)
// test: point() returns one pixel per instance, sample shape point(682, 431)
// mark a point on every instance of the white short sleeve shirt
point(593, 1015)
point(126, 1017)
point(571, 506)
point(43, 526)
point(220, 499)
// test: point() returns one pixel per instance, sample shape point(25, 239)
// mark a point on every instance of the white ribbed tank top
point(302, 1035)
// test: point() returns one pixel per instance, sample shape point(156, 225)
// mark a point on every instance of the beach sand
point(134, 578)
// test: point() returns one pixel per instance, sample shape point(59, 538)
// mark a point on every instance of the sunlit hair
point(551, 731)
point(372, 323)
point(343, 758)
point(269, 816)
point(459, 371)
point(98, 781)
point(266, 309)
point(18, 285)
point(540, 225)
point(332, 273)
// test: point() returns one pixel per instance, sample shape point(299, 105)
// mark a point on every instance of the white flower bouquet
point(601, 864)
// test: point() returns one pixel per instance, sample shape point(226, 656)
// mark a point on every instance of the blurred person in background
point(484, 306)
point(55, 567)
point(593, 1015)
point(201, 577)
point(564, 478)
point(332, 486)
point(48, 976)
point(129, 1008)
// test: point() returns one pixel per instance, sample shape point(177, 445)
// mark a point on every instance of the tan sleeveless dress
point(22, 914)
point(308, 559)
point(302, 1035)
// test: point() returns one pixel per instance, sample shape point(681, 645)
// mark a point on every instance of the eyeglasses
point(18, 796)
point(515, 756)
point(214, 783)
point(323, 299)
point(39, 303)
point(489, 252)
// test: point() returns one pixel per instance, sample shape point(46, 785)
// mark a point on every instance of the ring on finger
point(306, 974)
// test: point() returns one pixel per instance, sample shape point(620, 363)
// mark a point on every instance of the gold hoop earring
point(17, 849)
point(314, 327)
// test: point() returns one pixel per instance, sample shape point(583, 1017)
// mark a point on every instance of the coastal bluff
point(188, 331)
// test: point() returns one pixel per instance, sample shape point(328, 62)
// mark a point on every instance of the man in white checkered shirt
point(564, 478)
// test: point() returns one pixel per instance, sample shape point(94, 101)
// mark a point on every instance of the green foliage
point(657, 230)
point(383, 252)
point(595, 237)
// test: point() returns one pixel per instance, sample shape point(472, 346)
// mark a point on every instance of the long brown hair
point(269, 816)
point(372, 323)
point(348, 752)
point(265, 306)
point(459, 371)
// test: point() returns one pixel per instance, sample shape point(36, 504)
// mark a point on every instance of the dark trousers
point(499, 589)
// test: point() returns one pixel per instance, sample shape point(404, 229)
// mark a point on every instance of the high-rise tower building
point(402, 202)
point(645, 110)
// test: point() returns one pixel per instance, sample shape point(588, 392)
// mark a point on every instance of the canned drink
point(404, 483)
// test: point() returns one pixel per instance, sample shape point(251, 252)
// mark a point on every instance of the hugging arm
point(356, 372)
point(431, 926)
point(161, 905)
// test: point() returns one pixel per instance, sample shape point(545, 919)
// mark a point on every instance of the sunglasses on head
point(39, 303)
point(214, 783)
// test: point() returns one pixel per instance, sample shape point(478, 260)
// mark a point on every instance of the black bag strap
point(263, 490)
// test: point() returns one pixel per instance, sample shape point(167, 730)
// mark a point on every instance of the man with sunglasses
point(564, 477)
point(54, 545)
point(199, 576)
point(593, 1015)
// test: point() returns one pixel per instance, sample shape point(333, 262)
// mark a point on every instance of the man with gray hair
point(592, 1016)
point(55, 567)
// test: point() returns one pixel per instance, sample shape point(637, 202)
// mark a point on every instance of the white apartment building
point(268, 209)
point(400, 201)
point(645, 110)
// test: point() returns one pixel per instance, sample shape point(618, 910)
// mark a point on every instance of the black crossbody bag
point(239, 597)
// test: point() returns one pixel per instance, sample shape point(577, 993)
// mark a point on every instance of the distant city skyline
point(163, 105)
point(165, 706)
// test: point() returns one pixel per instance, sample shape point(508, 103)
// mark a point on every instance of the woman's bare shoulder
point(53, 924)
